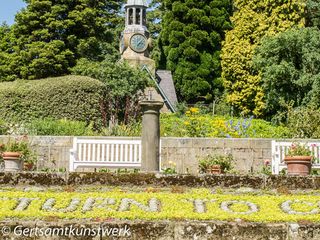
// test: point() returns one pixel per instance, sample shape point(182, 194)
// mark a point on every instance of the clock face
point(138, 43)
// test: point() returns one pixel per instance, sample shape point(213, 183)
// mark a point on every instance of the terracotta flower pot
point(12, 161)
point(298, 165)
point(28, 166)
point(215, 169)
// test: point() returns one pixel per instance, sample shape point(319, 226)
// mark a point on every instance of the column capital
point(151, 105)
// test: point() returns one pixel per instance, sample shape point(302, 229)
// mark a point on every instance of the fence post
point(150, 135)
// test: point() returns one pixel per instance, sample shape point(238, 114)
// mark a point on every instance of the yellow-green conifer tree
point(252, 20)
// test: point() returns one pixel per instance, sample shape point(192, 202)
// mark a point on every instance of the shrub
point(304, 122)
point(3, 127)
point(194, 124)
point(71, 97)
point(62, 127)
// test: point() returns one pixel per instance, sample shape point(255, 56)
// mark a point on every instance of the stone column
point(150, 135)
point(134, 16)
point(141, 16)
point(127, 16)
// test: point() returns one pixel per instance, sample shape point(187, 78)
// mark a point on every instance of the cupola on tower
point(135, 40)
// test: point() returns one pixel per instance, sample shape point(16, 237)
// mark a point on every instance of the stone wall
point(249, 154)
point(284, 182)
point(173, 229)
point(164, 230)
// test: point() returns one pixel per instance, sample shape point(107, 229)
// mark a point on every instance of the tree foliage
point(124, 86)
point(313, 13)
point(304, 122)
point(253, 19)
point(154, 18)
point(50, 35)
point(191, 41)
point(290, 69)
point(7, 42)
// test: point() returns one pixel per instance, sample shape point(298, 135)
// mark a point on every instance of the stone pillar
point(141, 16)
point(150, 135)
point(127, 16)
point(134, 16)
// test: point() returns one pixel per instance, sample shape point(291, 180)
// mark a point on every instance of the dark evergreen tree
point(154, 17)
point(313, 13)
point(7, 46)
point(52, 34)
point(190, 40)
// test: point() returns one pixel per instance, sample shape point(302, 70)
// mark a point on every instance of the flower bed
point(194, 205)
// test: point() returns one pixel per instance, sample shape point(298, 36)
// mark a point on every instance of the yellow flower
point(194, 110)
point(186, 123)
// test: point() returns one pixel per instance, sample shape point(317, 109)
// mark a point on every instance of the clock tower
point(135, 40)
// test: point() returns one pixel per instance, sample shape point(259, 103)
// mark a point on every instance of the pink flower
point(267, 162)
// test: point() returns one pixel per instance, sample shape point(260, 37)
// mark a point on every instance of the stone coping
point(159, 180)
point(164, 230)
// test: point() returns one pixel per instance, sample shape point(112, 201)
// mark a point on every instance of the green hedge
point(70, 97)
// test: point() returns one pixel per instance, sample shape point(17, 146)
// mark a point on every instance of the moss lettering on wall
point(200, 204)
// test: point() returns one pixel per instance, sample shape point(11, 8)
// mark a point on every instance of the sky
point(9, 8)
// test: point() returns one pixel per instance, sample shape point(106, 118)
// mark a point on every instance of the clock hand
point(140, 41)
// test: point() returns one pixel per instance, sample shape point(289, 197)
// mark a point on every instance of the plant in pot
point(216, 164)
point(298, 159)
point(15, 152)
